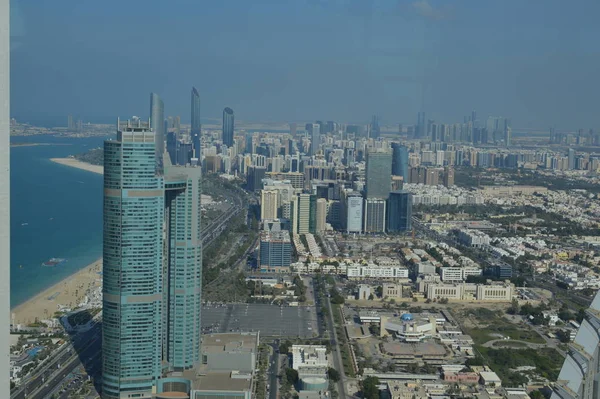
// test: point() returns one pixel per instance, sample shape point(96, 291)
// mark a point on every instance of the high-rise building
point(70, 123)
point(400, 161)
point(275, 251)
point(228, 126)
point(182, 280)
point(378, 174)
point(353, 205)
point(4, 192)
point(269, 203)
point(157, 123)
point(152, 265)
point(196, 130)
point(132, 327)
point(375, 130)
point(321, 215)
point(578, 377)
point(571, 158)
point(399, 211)
point(448, 176)
point(374, 215)
point(306, 213)
point(315, 138)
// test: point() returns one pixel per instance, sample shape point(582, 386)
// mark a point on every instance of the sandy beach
point(68, 292)
point(79, 165)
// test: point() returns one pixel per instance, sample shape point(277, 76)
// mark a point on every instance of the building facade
point(378, 174)
point(132, 327)
point(399, 211)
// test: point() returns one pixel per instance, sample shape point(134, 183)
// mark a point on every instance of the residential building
point(374, 215)
point(269, 204)
point(321, 215)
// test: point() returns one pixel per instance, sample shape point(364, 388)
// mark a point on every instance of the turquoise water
point(56, 212)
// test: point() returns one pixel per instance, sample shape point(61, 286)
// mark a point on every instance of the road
point(274, 371)
point(68, 358)
point(335, 350)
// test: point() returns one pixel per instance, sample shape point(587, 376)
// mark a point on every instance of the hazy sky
point(535, 61)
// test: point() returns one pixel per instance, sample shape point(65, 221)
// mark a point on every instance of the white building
point(375, 271)
point(459, 273)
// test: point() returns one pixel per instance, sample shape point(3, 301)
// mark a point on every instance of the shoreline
point(75, 163)
point(68, 292)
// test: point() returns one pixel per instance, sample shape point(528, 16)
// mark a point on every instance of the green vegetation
point(369, 387)
point(492, 325)
point(94, 156)
point(333, 374)
point(547, 362)
point(261, 378)
point(343, 341)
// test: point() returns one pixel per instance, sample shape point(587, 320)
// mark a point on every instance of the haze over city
point(299, 60)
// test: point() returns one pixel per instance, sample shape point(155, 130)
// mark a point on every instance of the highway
point(45, 380)
point(335, 350)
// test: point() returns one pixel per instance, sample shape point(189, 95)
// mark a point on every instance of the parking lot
point(269, 320)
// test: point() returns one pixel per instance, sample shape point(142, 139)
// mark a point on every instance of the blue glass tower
point(400, 161)
point(399, 211)
point(132, 263)
point(196, 131)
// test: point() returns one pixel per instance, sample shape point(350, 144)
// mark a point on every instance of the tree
point(285, 347)
point(291, 375)
point(369, 387)
point(379, 291)
point(514, 307)
point(375, 329)
point(563, 336)
point(333, 374)
point(415, 299)
point(371, 297)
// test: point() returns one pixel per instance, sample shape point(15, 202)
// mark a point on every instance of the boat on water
point(54, 262)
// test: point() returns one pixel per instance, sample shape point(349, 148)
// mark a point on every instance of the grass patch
point(547, 362)
point(492, 325)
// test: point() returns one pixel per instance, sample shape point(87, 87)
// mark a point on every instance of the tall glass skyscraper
point(228, 122)
point(400, 161)
point(152, 265)
point(378, 174)
point(183, 278)
point(157, 123)
point(196, 130)
point(132, 263)
point(399, 211)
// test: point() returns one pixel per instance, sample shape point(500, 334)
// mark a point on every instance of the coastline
point(74, 163)
point(68, 292)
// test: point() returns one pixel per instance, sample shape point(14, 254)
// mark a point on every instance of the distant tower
point(375, 130)
point(195, 132)
point(228, 126)
point(157, 123)
point(315, 139)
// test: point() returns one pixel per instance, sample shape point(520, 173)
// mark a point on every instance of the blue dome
point(406, 317)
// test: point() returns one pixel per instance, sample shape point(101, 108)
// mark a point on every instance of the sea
point(56, 212)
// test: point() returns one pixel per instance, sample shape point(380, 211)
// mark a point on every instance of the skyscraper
point(269, 204)
point(4, 192)
point(132, 263)
point(378, 174)
point(228, 122)
point(182, 280)
point(374, 221)
point(400, 161)
point(196, 130)
point(315, 139)
point(152, 265)
point(571, 159)
point(375, 130)
point(321, 215)
point(399, 211)
point(157, 123)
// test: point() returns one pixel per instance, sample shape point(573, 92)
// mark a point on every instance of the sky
point(535, 61)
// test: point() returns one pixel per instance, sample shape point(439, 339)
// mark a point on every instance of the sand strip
point(79, 165)
point(68, 292)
